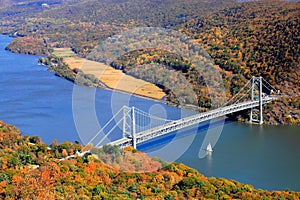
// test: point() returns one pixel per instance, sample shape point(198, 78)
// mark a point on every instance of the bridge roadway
point(189, 121)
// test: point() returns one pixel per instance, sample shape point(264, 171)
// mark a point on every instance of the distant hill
point(257, 39)
point(21, 8)
point(247, 39)
point(253, 38)
point(82, 24)
point(158, 13)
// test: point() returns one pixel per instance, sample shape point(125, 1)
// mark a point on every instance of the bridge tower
point(126, 129)
point(129, 124)
point(257, 94)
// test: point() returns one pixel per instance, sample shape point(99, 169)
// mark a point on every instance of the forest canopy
point(244, 39)
point(30, 169)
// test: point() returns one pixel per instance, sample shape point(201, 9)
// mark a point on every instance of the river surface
point(39, 103)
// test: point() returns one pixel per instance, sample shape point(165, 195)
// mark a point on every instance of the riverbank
point(66, 62)
point(40, 103)
point(109, 77)
point(94, 74)
point(115, 79)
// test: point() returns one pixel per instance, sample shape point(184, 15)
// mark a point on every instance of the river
point(39, 103)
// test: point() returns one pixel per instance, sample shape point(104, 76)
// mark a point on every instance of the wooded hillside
point(29, 169)
point(255, 38)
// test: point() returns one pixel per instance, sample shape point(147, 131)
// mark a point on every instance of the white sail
point(209, 148)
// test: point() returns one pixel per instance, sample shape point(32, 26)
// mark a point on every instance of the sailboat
point(209, 148)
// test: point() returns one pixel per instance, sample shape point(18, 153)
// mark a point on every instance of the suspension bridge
point(138, 126)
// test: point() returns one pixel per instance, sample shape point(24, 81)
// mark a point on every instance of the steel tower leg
point(261, 120)
point(252, 98)
point(133, 127)
point(124, 121)
point(257, 81)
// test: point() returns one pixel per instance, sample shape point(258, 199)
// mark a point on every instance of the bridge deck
point(189, 121)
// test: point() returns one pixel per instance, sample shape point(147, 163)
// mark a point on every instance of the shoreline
point(161, 100)
point(111, 77)
point(105, 86)
point(52, 154)
point(169, 103)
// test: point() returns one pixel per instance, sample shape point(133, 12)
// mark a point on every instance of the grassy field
point(114, 79)
point(63, 52)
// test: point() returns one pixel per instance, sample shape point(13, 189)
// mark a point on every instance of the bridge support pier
point(257, 82)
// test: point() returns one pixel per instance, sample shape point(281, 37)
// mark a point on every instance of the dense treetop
point(253, 38)
point(30, 169)
point(257, 39)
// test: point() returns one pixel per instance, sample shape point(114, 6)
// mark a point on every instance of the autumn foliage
point(32, 170)
point(29, 45)
point(244, 39)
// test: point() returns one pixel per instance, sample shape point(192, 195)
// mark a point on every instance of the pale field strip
point(114, 79)
point(63, 52)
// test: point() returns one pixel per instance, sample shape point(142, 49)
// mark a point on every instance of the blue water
point(39, 103)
